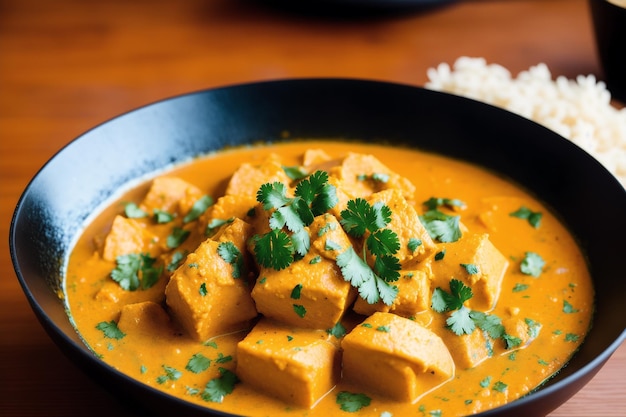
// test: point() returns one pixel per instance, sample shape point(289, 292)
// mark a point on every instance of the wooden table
point(68, 65)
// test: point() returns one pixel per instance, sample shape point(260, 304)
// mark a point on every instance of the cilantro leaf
point(471, 269)
point(312, 197)
point(371, 287)
point(352, 402)
point(338, 330)
point(413, 244)
point(295, 172)
point(199, 207)
point(217, 388)
point(274, 250)
point(110, 330)
point(215, 224)
point(178, 236)
point(489, 323)
point(272, 195)
point(176, 260)
point(441, 226)
point(532, 264)
point(132, 211)
point(135, 271)
point(442, 301)
point(198, 363)
point(295, 292)
point(533, 217)
point(162, 217)
point(359, 216)
point(231, 254)
point(434, 203)
point(383, 242)
point(460, 321)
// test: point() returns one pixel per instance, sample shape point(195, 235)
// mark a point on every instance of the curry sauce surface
point(560, 299)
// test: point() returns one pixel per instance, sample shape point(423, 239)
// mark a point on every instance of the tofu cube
point(395, 357)
point(311, 292)
point(459, 260)
point(249, 177)
point(406, 224)
point(298, 366)
point(468, 350)
point(128, 236)
point(171, 194)
point(207, 294)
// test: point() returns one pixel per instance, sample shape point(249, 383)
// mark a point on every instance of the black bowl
point(83, 175)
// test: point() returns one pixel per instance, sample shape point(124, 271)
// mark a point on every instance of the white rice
point(580, 110)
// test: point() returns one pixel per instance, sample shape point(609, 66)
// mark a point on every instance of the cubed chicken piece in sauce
point(209, 293)
point(395, 357)
point(298, 366)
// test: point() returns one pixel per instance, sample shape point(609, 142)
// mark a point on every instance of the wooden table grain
point(68, 65)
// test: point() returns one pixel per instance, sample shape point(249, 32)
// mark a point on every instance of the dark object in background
point(354, 8)
point(609, 24)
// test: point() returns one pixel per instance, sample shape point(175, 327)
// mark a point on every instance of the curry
point(317, 277)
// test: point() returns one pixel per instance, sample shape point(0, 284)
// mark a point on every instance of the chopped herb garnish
point(203, 291)
point(440, 255)
point(110, 330)
point(136, 271)
point(233, 256)
point(352, 402)
point(485, 382)
point(373, 284)
point(132, 211)
point(532, 264)
point(313, 196)
point(300, 310)
point(221, 358)
point(338, 330)
point(568, 308)
point(533, 327)
point(571, 337)
point(198, 208)
point(295, 292)
point(499, 386)
point(215, 224)
point(198, 363)
point(171, 374)
point(384, 329)
point(471, 269)
point(177, 259)
point(534, 218)
point(178, 236)
point(441, 226)
point(162, 217)
point(434, 203)
point(218, 388)
point(295, 172)
point(315, 260)
point(520, 287)
point(413, 244)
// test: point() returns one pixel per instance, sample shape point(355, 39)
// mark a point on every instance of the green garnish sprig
point(288, 237)
point(136, 271)
point(361, 220)
point(441, 226)
point(463, 320)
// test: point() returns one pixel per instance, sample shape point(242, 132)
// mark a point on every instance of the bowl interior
point(89, 171)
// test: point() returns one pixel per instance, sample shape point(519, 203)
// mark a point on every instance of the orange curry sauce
point(554, 309)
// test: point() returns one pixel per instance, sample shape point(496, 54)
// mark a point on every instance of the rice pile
point(580, 110)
